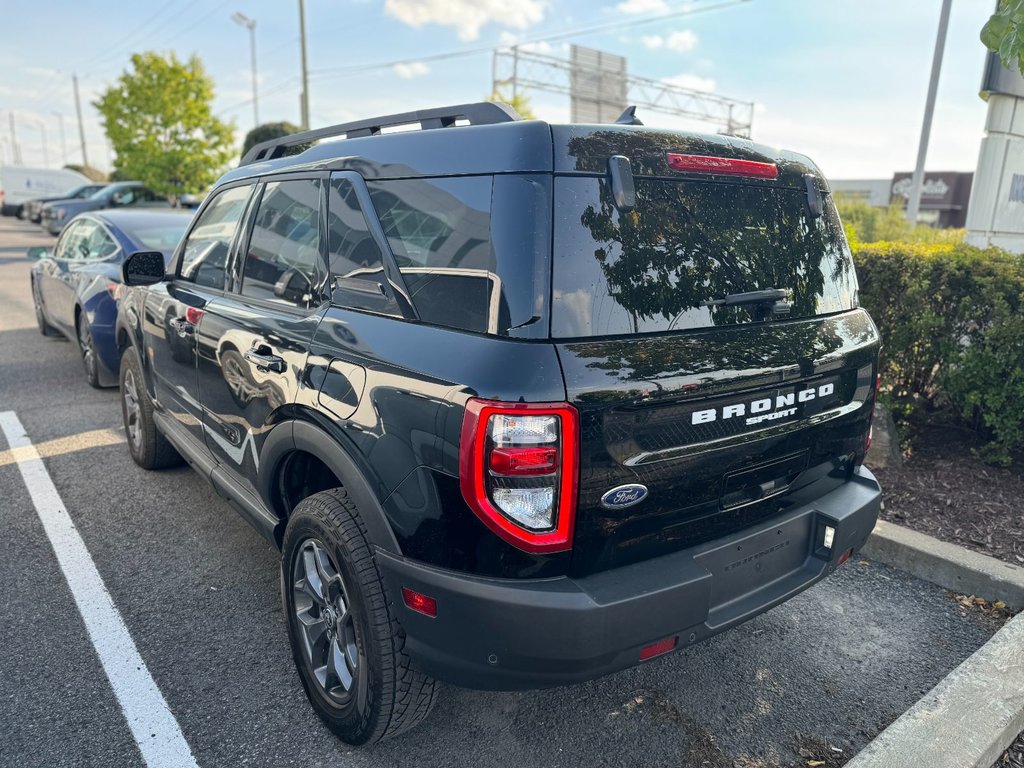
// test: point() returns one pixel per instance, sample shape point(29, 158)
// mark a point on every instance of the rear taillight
point(726, 166)
point(518, 466)
point(874, 407)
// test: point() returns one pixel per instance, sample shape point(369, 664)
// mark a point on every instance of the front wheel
point(147, 445)
point(348, 648)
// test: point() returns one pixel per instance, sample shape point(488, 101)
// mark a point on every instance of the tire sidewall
point(355, 724)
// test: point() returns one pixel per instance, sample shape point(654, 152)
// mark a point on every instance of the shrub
point(950, 319)
point(865, 224)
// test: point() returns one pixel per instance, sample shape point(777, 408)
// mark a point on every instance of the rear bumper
point(514, 634)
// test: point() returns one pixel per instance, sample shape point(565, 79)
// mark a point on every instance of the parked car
point(521, 404)
point(19, 184)
point(75, 285)
point(123, 194)
point(32, 210)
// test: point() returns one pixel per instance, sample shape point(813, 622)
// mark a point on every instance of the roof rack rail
point(481, 113)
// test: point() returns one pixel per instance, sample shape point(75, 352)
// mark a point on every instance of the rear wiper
point(751, 297)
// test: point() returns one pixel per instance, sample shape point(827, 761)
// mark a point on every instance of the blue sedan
point(76, 284)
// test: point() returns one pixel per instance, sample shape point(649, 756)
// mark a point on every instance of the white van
point(19, 184)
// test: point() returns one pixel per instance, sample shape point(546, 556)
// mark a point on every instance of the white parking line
point(156, 732)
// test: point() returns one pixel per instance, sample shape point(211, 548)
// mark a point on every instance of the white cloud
point(683, 40)
point(636, 7)
point(468, 16)
point(411, 70)
point(691, 81)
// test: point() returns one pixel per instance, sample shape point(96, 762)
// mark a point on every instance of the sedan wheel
point(88, 348)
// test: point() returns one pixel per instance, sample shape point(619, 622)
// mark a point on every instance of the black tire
point(88, 350)
point(388, 694)
point(44, 327)
point(148, 447)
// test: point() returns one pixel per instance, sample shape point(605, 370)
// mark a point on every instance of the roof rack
point(481, 113)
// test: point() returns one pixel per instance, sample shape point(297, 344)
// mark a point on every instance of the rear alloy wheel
point(44, 327)
point(88, 349)
point(347, 645)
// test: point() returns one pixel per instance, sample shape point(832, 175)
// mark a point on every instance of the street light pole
point(46, 145)
point(250, 24)
point(305, 70)
point(914, 203)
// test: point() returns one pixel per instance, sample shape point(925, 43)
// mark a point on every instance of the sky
point(843, 81)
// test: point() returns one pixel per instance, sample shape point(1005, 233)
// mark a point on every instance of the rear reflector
point(419, 602)
point(524, 461)
point(845, 556)
point(726, 166)
point(658, 648)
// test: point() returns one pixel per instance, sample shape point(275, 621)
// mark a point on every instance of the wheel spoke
point(312, 582)
point(337, 666)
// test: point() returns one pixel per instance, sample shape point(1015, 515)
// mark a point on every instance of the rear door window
point(688, 243)
point(440, 233)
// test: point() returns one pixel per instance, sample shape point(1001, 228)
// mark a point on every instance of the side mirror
point(143, 268)
point(38, 252)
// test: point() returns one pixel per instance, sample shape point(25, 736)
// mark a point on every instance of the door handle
point(181, 326)
point(264, 361)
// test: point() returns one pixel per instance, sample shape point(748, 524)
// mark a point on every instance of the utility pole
point(250, 24)
point(46, 144)
point(63, 140)
point(81, 125)
point(15, 154)
point(914, 203)
point(305, 70)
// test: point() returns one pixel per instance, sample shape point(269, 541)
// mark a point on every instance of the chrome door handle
point(181, 326)
point(265, 362)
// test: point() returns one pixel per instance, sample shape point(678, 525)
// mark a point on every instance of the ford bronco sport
point(521, 404)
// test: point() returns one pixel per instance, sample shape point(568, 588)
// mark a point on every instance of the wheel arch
point(290, 438)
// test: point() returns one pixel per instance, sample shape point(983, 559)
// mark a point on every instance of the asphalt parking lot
point(197, 590)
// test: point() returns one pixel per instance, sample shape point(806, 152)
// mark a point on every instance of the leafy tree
point(92, 174)
point(160, 123)
point(266, 132)
point(1004, 33)
point(520, 103)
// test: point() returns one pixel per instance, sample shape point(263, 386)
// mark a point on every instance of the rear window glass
point(439, 231)
point(687, 243)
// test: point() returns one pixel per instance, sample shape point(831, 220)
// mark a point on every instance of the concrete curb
point(947, 565)
point(977, 710)
point(967, 720)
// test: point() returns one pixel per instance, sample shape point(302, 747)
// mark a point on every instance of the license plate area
point(753, 563)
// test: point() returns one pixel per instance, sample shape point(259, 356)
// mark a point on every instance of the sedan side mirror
point(143, 268)
point(38, 252)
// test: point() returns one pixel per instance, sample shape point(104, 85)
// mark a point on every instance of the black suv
point(521, 404)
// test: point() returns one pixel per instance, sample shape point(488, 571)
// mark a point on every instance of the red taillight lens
point(726, 166)
point(518, 467)
point(419, 602)
point(193, 315)
point(658, 648)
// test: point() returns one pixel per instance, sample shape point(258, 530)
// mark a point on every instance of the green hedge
point(952, 330)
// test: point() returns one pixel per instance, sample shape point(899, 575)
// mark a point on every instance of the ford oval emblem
point(624, 496)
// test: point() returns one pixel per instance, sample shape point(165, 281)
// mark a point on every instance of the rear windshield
point(687, 243)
